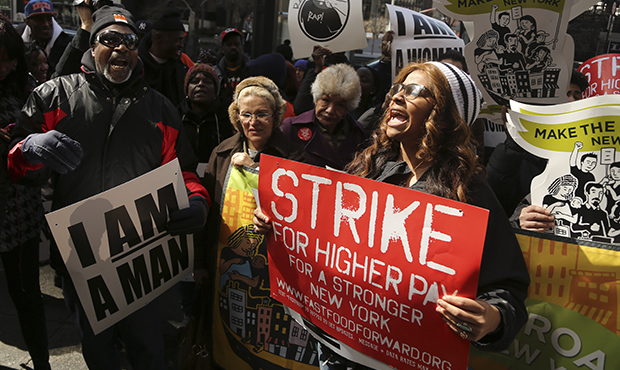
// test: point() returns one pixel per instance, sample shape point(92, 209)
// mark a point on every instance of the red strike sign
point(603, 74)
point(366, 261)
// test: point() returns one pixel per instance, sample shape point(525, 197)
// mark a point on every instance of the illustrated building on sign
point(557, 278)
point(521, 84)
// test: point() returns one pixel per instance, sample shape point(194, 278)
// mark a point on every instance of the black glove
point(189, 220)
point(54, 149)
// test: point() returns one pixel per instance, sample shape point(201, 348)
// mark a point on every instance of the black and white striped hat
point(466, 95)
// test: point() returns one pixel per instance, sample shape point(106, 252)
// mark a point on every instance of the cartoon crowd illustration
point(585, 207)
point(514, 58)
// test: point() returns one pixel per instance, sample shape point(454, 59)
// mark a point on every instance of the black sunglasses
point(113, 39)
point(410, 91)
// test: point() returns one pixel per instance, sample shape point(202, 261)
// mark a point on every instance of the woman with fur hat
point(424, 143)
point(204, 116)
point(329, 133)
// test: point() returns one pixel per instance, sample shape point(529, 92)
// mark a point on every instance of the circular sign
point(323, 20)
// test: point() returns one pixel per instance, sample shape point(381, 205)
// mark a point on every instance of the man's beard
point(105, 71)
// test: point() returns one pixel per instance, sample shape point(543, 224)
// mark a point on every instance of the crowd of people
point(120, 99)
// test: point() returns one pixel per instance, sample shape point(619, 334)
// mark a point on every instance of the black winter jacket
point(124, 132)
point(167, 78)
point(207, 130)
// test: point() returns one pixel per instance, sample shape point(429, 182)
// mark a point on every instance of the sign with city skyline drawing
point(250, 327)
point(581, 183)
point(573, 316)
point(365, 262)
point(518, 50)
point(334, 24)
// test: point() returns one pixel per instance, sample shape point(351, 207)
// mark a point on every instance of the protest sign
point(573, 311)
point(335, 24)
point(519, 48)
point(418, 38)
point(581, 183)
point(250, 328)
point(603, 74)
point(366, 261)
point(116, 247)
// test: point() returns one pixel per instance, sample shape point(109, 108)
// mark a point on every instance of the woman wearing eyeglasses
point(256, 113)
point(424, 143)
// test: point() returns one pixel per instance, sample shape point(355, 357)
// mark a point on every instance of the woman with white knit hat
point(424, 143)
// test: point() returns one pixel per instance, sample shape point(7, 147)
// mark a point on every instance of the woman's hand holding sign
point(471, 319)
point(262, 223)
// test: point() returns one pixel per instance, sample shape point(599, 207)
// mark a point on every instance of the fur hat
point(466, 95)
point(108, 15)
point(269, 89)
point(205, 69)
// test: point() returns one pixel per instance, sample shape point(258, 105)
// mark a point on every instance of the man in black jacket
point(91, 132)
point(161, 53)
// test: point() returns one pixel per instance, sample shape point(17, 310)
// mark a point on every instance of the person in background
point(369, 80)
point(204, 116)
point(424, 144)
point(328, 132)
point(232, 67)
point(160, 51)
point(103, 135)
point(286, 50)
point(206, 124)
point(290, 84)
point(304, 101)
point(38, 67)
point(22, 218)
point(42, 28)
point(578, 85)
point(272, 66)
point(300, 70)
point(371, 119)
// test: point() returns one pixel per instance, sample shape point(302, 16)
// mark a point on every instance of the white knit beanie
point(466, 95)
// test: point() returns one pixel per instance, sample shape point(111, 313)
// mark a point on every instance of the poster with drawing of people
point(518, 49)
point(335, 24)
point(581, 184)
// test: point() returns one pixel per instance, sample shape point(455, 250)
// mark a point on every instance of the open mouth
point(397, 117)
point(118, 64)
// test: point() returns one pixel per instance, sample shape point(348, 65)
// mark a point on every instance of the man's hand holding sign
point(379, 267)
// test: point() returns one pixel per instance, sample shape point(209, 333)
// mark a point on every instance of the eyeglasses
point(261, 116)
point(113, 39)
point(411, 91)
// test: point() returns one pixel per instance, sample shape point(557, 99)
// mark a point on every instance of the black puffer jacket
point(206, 131)
point(124, 132)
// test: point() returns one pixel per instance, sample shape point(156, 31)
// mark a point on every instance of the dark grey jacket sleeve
point(71, 59)
point(504, 278)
